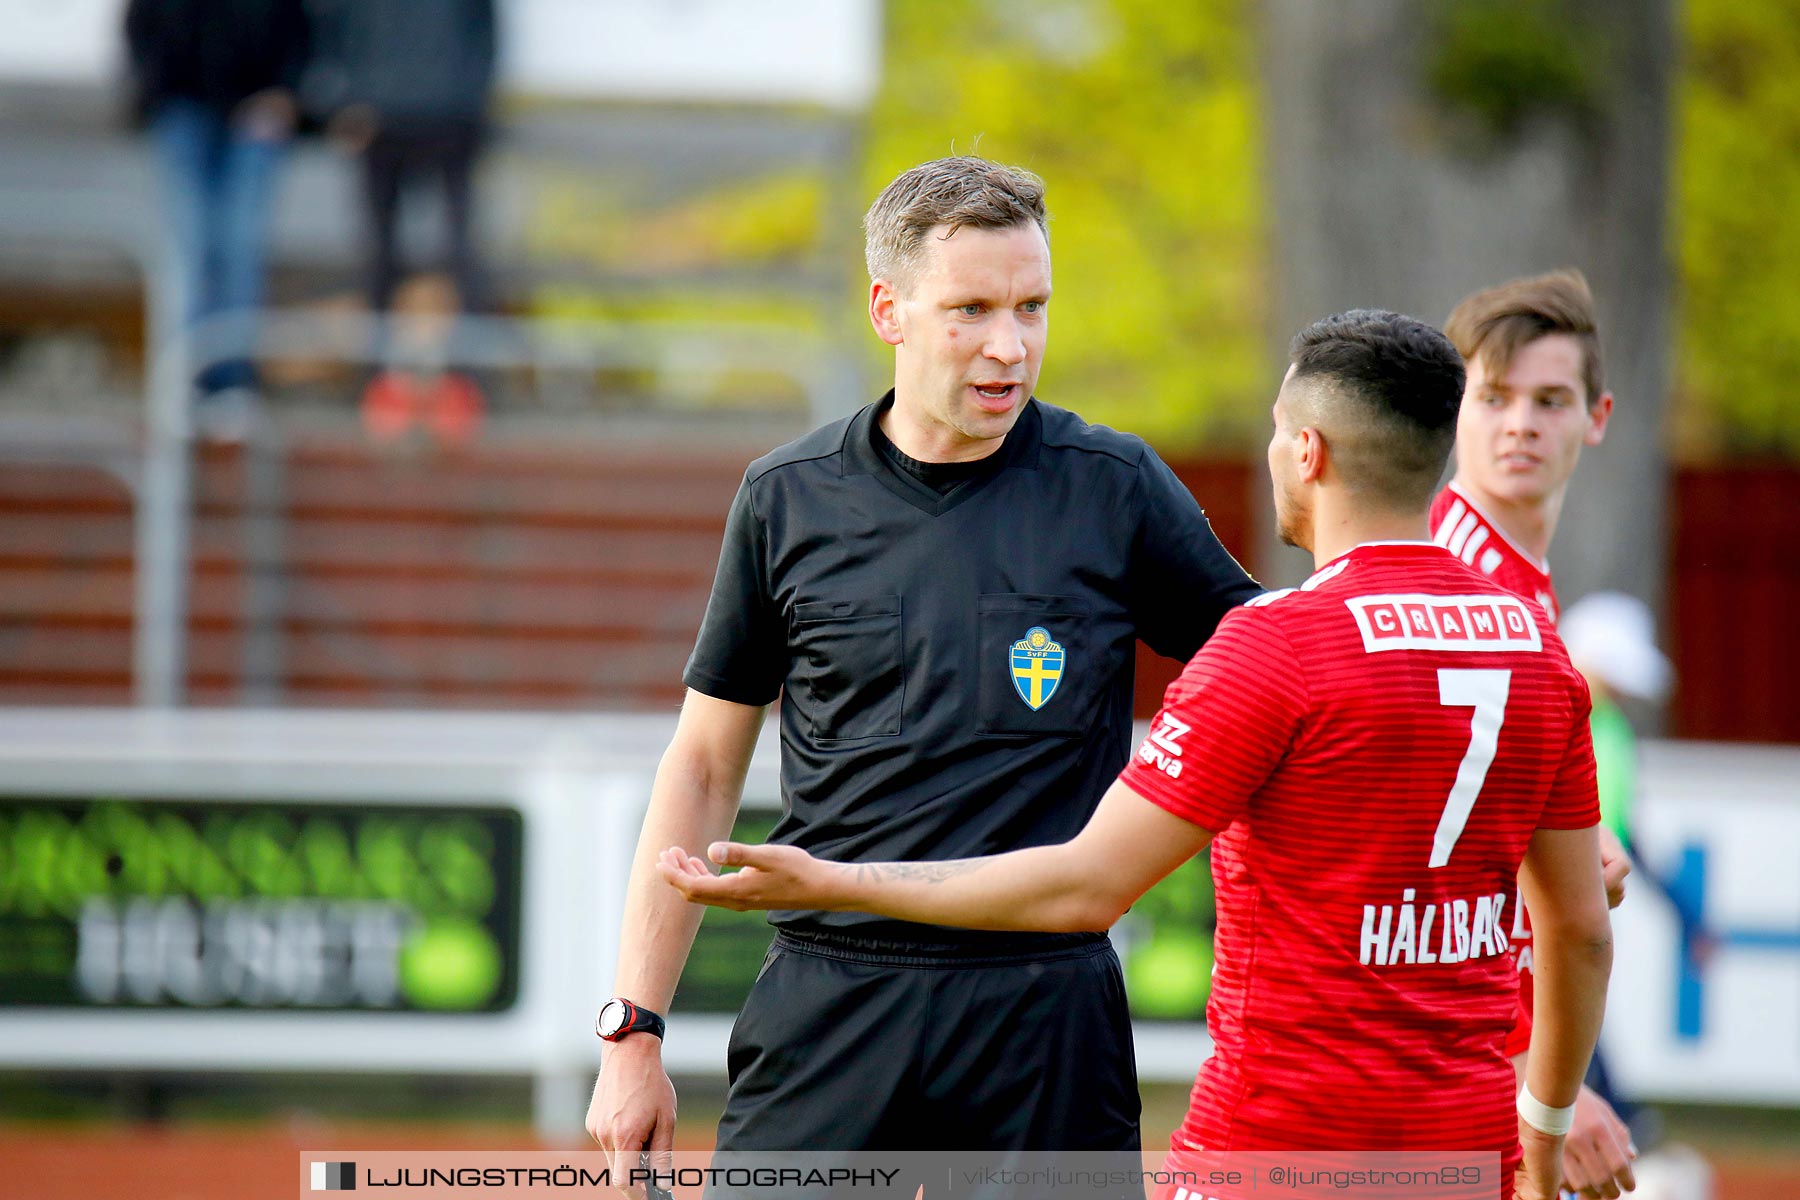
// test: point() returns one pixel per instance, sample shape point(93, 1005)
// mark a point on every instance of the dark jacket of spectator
point(417, 64)
point(215, 52)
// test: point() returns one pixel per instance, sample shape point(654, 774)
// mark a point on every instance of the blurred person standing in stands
point(1612, 641)
point(407, 85)
point(215, 82)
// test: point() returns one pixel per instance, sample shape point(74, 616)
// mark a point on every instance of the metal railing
point(546, 348)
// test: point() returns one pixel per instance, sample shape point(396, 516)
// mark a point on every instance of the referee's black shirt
point(885, 616)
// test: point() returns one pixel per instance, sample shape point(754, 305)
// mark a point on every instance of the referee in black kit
point(944, 590)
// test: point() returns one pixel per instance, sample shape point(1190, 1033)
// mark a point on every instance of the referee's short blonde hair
point(958, 192)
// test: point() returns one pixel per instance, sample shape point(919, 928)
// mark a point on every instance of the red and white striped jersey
point(1459, 526)
point(1373, 751)
point(1463, 529)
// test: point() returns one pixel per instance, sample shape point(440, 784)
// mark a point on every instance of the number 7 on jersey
point(1486, 692)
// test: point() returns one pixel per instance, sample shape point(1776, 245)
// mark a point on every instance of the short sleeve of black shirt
point(1184, 581)
point(741, 653)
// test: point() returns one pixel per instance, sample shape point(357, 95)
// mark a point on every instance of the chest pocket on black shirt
point(1037, 674)
point(847, 667)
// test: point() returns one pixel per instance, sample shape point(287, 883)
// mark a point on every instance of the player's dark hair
point(1387, 389)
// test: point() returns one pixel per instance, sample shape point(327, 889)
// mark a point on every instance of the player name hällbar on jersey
point(1373, 751)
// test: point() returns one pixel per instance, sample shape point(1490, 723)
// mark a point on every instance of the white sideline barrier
point(580, 784)
point(1725, 1029)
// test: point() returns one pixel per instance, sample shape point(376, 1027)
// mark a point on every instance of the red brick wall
point(1224, 489)
point(1733, 623)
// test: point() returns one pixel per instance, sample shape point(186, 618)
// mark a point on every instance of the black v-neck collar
point(862, 458)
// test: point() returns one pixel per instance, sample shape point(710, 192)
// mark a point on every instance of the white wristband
point(1543, 1118)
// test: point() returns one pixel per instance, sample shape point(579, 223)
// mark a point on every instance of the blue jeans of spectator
point(219, 185)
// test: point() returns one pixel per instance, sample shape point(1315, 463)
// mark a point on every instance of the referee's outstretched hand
point(768, 877)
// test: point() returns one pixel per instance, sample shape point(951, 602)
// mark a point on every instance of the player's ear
point(1598, 415)
point(1310, 453)
point(883, 301)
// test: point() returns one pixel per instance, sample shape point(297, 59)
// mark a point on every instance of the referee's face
point(968, 332)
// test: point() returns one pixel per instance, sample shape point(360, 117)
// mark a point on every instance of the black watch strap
point(620, 1018)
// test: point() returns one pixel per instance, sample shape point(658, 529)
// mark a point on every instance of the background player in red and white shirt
point(1535, 395)
point(1375, 755)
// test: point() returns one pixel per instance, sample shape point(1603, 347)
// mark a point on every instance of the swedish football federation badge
point(1037, 667)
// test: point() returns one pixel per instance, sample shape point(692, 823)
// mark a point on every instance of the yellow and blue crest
point(1037, 667)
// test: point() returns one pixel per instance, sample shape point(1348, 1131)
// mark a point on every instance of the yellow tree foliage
point(1142, 120)
point(1737, 223)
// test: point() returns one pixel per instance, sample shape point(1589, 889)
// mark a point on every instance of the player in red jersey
point(1375, 755)
point(1534, 397)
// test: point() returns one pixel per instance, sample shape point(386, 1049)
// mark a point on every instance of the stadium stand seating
point(492, 577)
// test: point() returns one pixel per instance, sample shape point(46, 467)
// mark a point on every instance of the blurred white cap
point(1613, 635)
point(1673, 1172)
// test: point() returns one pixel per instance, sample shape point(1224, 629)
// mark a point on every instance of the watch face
point(612, 1018)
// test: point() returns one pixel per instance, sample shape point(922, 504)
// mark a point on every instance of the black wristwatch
point(620, 1017)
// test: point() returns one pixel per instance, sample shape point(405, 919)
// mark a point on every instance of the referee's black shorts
point(852, 1044)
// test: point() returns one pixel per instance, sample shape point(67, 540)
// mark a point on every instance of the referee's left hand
point(769, 877)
